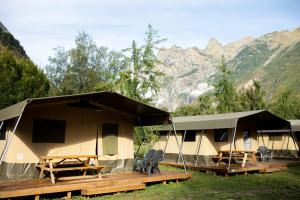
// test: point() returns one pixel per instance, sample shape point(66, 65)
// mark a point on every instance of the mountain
point(273, 59)
point(8, 41)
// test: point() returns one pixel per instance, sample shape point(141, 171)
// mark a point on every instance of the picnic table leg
point(98, 170)
point(86, 163)
point(51, 172)
point(244, 159)
point(220, 158)
point(254, 157)
point(43, 165)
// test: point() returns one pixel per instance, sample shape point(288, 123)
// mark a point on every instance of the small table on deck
point(243, 155)
point(83, 162)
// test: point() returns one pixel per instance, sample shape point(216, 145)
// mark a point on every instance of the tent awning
point(264, 120)
point(144, 114)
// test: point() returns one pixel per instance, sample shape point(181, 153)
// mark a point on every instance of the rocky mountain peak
point(214, 47)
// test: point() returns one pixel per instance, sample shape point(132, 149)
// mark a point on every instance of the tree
point(252, 98)
point(225, 93)
point(20, 79)
point(140, 81)
point(286, 105)
point(85, 68)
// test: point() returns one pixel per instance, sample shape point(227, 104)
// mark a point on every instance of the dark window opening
point(297, 135)
point(48, 131)
point(275, 136)
point(190, 136)
point(221, 135)
point(3, 131)
point(110, 132)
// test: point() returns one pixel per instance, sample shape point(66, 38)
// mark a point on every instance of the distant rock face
point(189, 70)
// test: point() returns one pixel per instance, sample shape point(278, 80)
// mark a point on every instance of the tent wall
point(209, 147)
point(80, 137)
point(281, 148)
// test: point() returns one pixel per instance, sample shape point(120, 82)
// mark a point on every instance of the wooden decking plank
point(112, 189)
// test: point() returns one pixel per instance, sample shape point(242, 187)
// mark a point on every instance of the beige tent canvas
point(99, 123)
point(204, 135)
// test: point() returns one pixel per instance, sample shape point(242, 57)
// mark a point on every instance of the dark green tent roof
point(265, 120)
point(143, 113)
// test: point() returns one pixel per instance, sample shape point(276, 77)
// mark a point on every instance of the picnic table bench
point(243, 155)
point(57, 163)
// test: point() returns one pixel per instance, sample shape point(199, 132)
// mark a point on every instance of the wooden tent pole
point(184, 134)
point(168, 136)
point(180, 153)
point(198, 147)
point(232, 143)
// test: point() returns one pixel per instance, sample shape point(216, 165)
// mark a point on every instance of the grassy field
point(279, 185)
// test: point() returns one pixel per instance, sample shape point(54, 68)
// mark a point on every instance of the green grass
point(279, 185)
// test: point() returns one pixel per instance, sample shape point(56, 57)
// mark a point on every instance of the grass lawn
point(278, 185)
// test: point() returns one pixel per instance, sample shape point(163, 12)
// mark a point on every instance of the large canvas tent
point(281, 141)
point(99, 123)
point(203, 136)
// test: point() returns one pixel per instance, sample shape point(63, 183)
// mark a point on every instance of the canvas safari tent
point(204, 135)
point(281, 141)
point(95, 123)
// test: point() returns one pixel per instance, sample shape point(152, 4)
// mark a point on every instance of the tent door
point(247, 139)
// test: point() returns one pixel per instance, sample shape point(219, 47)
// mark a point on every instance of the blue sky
point(41, 25)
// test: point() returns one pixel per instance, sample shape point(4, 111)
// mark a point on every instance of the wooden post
point(51, 172)
point(69, 195)
point(37, 197)
point(43, 165)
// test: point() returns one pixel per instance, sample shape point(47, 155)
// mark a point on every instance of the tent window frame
point(56, 128)
point(221, 135)
point(190, 136)
point(3, 131)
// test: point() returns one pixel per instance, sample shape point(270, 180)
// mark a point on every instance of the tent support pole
point(168, 136)
point(2, 122)
point(232, 143)
point(198, 147)
point(12, 135)
point(184, 134)
point(293, 136)
point(180, 153)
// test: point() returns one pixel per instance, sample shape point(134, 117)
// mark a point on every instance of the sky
point(41, 25)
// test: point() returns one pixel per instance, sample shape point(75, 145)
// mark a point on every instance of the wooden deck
point(114, 182)
point(260, 167)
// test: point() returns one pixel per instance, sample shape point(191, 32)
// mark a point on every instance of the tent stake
point(180, 153)
point(232, 143)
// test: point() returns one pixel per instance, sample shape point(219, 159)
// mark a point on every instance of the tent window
point(275, 136)
point(190, 136)
point(110, 134)
point(3, 131)
point(221, 135)
point(48, 131)
point(297, 135)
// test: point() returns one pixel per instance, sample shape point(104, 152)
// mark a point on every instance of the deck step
point(112, 189)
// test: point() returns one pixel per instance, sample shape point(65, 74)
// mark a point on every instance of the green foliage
point(20, 79)
point(7, 40)
point(144, 135)
point(141, 80)
point(252, 98)
point(287, 105)
point(85, 68)
point(225, 93)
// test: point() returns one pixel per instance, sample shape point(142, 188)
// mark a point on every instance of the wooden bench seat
point(72, 168)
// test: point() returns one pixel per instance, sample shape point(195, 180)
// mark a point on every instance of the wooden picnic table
point(58, 163)
point(243, 155)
